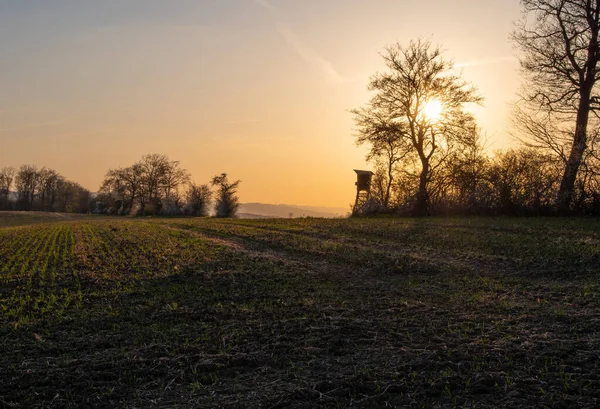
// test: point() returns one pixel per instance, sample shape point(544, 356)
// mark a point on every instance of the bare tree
point(389, 145)
point(198, 199)
point(227, 202)
point(152, 185)
point(161, 179)
point(174, 177)
point(467, 173)
point(559, 41)
point(48, 188)
point(72, 197)
point(154, 167)
point(7, 177)
point(115, 187)
point(124, 186)
point(417, 80)
point(523, 181)
point(26, 183)
point(542, 131)
point(132, 177)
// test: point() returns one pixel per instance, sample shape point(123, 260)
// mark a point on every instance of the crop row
point(45, 269)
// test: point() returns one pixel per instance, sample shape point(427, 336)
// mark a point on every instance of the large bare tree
point(559, 41)
point(49, 183)
point(421, 101)
point(148, 185)
point(26, 184)
point(124, 186)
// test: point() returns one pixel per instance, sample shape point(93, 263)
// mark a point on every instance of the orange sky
point(259, 89)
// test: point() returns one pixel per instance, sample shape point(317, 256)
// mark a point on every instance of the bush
point(227, 203)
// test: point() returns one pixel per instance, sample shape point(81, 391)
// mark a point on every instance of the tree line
point(41, 189)
point(432, 161)
point(154, 185)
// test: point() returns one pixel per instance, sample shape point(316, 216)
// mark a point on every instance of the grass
point(191, 313)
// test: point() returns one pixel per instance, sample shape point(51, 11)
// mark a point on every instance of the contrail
point(306, 52)
point(265, 4)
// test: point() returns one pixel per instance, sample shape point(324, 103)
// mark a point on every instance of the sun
point(433, 109)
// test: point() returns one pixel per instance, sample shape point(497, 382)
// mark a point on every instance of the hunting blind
point(363, 188)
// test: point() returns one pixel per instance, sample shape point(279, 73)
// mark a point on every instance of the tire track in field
point(319, 251)
point(473, 262)
point(325, 256)
point(240, 244)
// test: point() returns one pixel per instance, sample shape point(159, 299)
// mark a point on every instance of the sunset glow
point(433, 110)
point(258, 89)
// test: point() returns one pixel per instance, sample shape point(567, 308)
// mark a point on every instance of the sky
point(259, 89)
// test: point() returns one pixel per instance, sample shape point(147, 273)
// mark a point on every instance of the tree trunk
point(52, 200)
point(386, 200)
point(567, 184)
point(129, 208)
point(422, 203)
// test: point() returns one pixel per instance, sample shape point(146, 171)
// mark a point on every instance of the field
point(300, 313)
point(9, 219)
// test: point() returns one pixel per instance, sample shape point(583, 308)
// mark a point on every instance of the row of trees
point(156, 185)
point(520, 181)
point(40, 189)
point(426, 145)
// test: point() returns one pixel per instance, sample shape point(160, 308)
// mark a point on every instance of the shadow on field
point(278, 318)
point(326, 251)
point(260, 338)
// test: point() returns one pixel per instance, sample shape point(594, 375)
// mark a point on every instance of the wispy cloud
point(308, 54)
point(304, 50)
point(265, 4)
point(488, 61)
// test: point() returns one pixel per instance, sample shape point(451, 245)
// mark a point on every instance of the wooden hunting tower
point(363, 188)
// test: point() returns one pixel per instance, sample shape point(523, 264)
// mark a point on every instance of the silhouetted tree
point(227, 202)
point(523, 181)
point(131, 179)
point(115, 191)
point(151, 185)
point(26, 184)
point(174, 177)
point(416, 77)
point(154, 168)
point(466, 171)
point(7, 176)
point(559, 40)
point(49, 182)
point(72, 198)
point(389, 141)
point(198, 199)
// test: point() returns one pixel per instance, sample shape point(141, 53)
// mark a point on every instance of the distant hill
point(256, 210)
point(254, 216)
